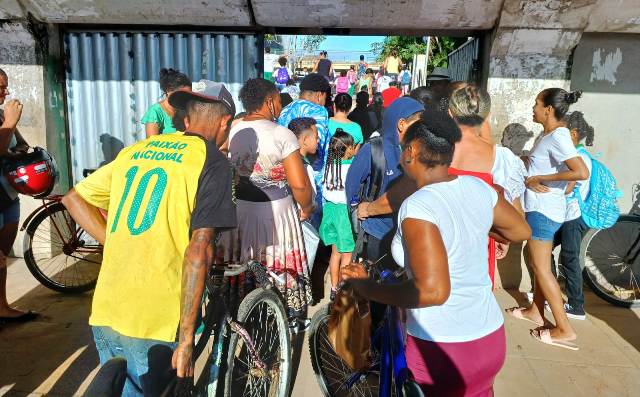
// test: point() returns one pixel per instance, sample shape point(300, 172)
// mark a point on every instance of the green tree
point(408, 46)
point(312, 42)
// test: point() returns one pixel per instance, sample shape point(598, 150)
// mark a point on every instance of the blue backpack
point(406, 78)
point(282, 77)
point(600, 208)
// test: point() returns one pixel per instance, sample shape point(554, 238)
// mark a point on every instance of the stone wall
point(19, 59)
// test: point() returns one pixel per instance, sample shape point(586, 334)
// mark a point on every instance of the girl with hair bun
point(452, 314)
point(552, 163)
point(158, 118)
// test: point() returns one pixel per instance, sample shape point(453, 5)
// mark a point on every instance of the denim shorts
point(542, 228)
point(11, 214)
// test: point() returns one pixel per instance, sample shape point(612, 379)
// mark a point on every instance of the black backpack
point(369, 190)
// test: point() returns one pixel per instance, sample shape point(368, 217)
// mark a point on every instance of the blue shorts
point(10, 214)
point(542, 228)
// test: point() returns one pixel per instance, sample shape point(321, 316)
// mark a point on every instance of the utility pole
point(426, 62)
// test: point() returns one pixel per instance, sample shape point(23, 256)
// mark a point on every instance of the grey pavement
point(55, 355)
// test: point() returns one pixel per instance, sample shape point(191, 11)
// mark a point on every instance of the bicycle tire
point(214, 314)
point(319, 350)
point(603, 255)
point(37, 227)
point(256, 302)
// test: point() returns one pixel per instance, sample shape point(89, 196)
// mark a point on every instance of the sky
point(349, 43)
point(342, 48)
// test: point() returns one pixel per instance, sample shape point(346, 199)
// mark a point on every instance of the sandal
point(23, 318)
point(544, 336)
point(517, 313)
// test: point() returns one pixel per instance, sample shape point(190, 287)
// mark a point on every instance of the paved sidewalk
point(55, 355)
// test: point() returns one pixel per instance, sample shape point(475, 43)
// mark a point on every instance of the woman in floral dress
point(270, 179)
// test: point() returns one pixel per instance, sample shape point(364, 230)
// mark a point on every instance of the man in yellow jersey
point(166, 198)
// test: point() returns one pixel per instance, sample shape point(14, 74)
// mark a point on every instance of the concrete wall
point(542, 44)
point(26, 83)
point(605, 67)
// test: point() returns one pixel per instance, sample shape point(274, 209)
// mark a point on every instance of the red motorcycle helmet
point(32, 173)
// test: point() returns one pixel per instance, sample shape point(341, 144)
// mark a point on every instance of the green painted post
point(57, 137)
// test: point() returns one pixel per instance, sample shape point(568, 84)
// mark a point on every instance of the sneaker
point(530, 299)
point(332, 296)
point(576, 313)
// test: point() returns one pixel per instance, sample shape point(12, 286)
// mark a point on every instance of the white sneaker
point(530, 300)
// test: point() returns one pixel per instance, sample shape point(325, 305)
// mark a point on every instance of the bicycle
point(58, 252)
point(242, 344)
point(610, 259)
point(388, 374)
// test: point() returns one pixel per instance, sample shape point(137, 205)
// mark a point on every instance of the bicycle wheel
point(332, 373)
point(611, 261)
point(59, 254)
point(262, 316)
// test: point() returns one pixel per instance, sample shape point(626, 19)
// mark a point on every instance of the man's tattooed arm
point(198, 258)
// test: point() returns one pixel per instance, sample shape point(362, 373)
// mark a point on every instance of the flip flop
point(23, 318)
point(517, 313)
point(544, 336)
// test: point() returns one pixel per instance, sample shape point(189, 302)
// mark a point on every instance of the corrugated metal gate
point(464, 62)
point(112, 78)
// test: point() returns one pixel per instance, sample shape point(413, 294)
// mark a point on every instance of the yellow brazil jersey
point(155, 191)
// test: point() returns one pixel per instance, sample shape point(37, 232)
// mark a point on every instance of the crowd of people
point(276, 183)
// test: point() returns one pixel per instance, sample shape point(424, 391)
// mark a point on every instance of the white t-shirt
point(383, 83)
point(312, 178)
point(509, 173)
point(547, 157)
point(462, 210)
point(573, 207)
point(338, 196)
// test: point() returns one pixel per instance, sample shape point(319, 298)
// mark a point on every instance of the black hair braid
point(590, 136)
point(340, 142)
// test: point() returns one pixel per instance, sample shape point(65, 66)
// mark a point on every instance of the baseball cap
point(314, 82)
point(204, 91)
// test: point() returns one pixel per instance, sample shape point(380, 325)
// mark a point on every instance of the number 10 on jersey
point(151, 206)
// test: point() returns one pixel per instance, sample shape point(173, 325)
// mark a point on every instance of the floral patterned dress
point(269, 229)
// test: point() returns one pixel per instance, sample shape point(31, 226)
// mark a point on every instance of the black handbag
point(370, 189)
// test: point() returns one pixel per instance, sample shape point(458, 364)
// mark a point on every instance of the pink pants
point(457, 369)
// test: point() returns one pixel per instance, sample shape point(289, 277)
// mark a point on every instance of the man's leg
point(109, 345)
point(152, 364)
point(572, 233)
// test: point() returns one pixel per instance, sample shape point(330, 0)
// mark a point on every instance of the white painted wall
point(26, 83)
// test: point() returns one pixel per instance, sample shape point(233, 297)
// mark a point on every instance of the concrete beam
point(378, 14)
point(11, 10)
point(586, 15)
point(232, 13)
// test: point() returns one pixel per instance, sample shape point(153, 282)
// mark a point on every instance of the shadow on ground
point(52, 355)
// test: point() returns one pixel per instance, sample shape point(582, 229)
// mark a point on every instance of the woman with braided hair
point(335, 228)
